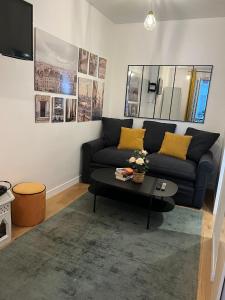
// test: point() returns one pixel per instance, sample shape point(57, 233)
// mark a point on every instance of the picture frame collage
point(75, 77)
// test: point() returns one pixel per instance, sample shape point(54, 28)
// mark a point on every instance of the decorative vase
point(138, 177)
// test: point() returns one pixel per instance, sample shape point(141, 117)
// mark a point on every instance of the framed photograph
point(102, 67)
point(71, 107)
point(83, 61)
point(93, 65)
point(97, 100)
point(84, 99)
point(132, 110)
point(57, 110)
point(42, 109)
point(55, 64)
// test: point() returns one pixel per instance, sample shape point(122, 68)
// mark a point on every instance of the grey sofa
point(192, 177)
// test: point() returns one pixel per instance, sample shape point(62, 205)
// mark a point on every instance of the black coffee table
point(105, 178)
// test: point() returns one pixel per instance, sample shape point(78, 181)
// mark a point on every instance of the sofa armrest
point(205, 170)
point(88, 150)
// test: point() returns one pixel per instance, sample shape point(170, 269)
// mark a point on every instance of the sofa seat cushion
point(170, 166)
point(112, 156)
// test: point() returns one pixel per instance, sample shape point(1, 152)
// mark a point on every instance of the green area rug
point(108, 255)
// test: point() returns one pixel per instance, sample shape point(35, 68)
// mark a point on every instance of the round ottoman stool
point(28, 208)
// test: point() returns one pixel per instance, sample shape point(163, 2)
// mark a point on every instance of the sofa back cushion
point(201, 142)
point(155, 132)
point(112, 128)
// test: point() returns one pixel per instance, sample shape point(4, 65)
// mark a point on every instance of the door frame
point(221, 285)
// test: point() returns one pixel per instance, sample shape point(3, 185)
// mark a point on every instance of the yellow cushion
point(175, 145)
point(29, 188)
point(132, 139)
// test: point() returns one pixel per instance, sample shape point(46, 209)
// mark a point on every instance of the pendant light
point(150, 21)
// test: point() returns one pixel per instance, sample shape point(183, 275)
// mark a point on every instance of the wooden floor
point(205, 287)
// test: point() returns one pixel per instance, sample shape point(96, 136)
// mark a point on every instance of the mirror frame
point(139, 103)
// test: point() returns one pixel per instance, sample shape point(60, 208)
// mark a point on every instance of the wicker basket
point(138, 177)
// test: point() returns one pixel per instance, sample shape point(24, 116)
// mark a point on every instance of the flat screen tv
point(16, 29)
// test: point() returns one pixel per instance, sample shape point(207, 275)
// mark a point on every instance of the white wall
point(200, 41)
point(218, 246)
point(49, 153)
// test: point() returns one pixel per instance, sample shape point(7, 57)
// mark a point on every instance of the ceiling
point(133, 11)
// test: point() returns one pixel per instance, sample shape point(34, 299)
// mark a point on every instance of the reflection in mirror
point(133, 93)
point(178, 93)
point(165, 91)
point(148, 93)
point(198, 103)
point(181, 93)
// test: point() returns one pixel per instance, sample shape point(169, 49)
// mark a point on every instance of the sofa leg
point(85, 179)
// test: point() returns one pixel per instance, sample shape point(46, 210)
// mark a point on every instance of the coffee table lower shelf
point(105, 184)
point(152, 203)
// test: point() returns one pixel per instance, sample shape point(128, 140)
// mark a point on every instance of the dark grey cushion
point(155, 132)
point(111, 156)
point(112, 129)
point(170, 166)
point(201, 142)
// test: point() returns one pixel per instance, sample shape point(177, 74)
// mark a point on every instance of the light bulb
point(150, 21)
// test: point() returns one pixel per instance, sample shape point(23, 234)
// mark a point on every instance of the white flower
point(132, 160)
point(140, 161)
point(144, 152)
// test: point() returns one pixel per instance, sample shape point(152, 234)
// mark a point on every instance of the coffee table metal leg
point(149, 212)
point(95, 196)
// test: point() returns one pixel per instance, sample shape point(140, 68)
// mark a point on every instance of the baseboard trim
point(60, 188)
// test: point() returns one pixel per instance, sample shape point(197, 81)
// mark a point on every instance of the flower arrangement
point(139, 162)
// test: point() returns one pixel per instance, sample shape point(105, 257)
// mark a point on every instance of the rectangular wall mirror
point(178, 93)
